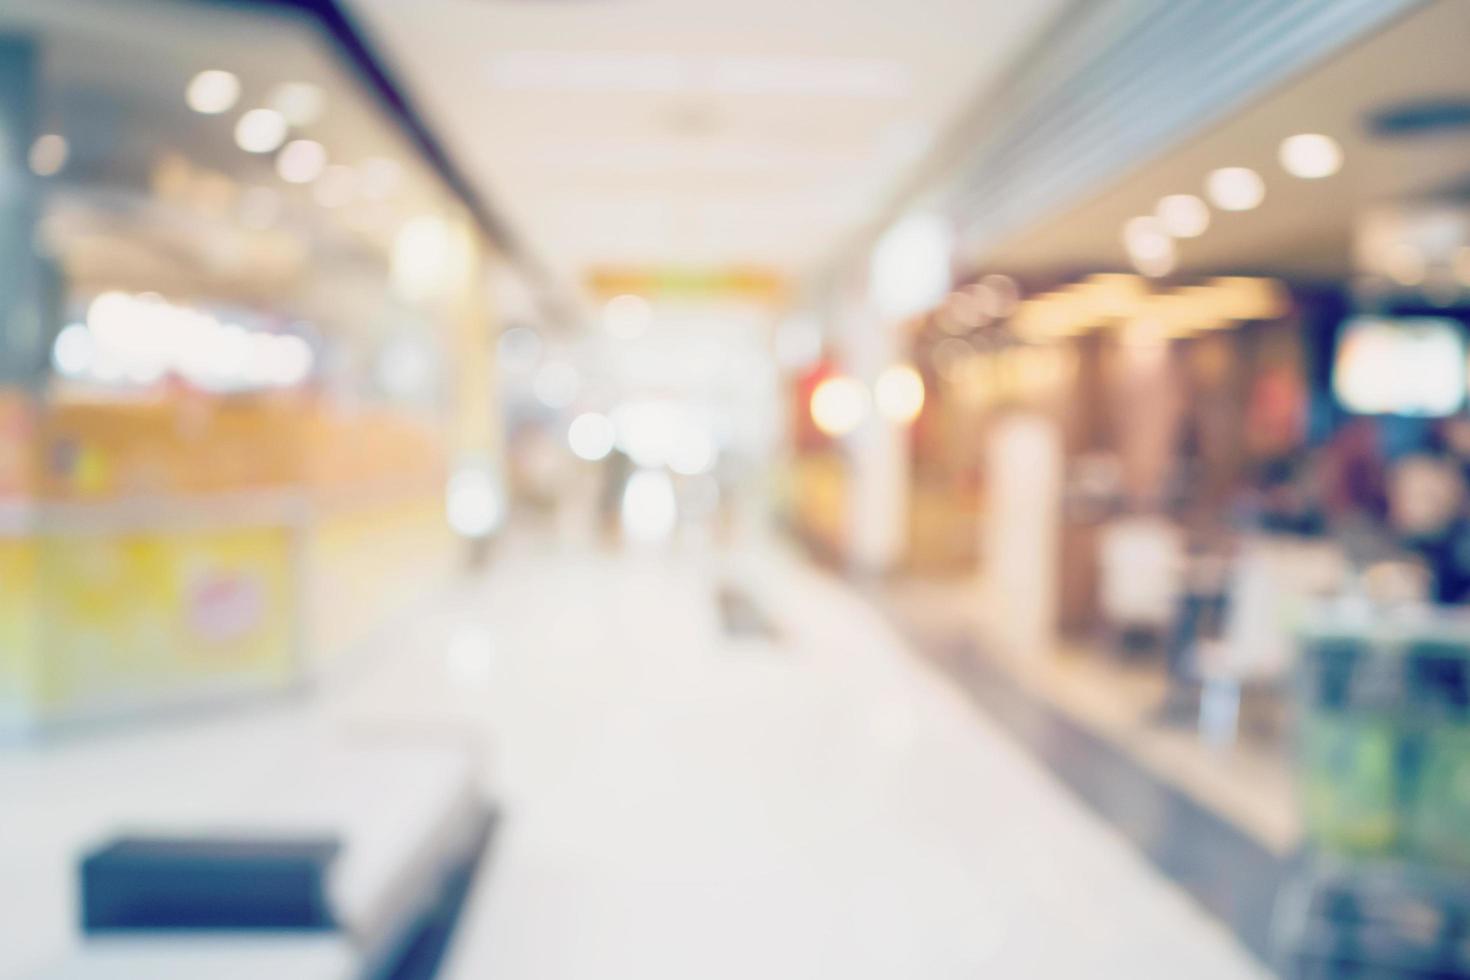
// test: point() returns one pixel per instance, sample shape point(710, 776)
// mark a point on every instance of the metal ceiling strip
point(1121, 81)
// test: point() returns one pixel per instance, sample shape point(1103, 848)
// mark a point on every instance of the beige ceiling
point(1304, 228)
point(694, 133)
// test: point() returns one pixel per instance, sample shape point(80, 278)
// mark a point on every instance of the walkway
point(686, 803)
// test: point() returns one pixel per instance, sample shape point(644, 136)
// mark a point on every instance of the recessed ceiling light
point(1144, 235)
point(1183, 215)
point(1311, 155)
point(212, 92)
point(301, 161)
point(1149, 247)
point(260, 131)
point(1235, 188)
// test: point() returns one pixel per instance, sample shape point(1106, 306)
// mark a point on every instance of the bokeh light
point(590, 436)
point(212, 92)
point(1235, 188)
point(1183, 215)
point(1310, 156)
point(899, 393)
point(260, 131)
point(301, 161)
point(839, 405)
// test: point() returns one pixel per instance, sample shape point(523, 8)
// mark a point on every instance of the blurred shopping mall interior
point(667, 490)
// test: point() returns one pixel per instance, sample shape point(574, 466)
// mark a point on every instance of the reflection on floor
point(1228, 871)
point(681, 803)
point(1248, 782)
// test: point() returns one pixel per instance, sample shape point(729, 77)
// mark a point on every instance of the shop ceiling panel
point(1120, 82)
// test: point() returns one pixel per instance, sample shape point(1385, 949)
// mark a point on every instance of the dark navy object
point(142, 883)
point(1422, 117)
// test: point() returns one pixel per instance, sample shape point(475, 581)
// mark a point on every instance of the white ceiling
point(692, 133)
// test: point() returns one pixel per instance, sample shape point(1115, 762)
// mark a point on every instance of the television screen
point(1400, 366)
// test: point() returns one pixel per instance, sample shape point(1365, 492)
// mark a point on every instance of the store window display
point(249, 337)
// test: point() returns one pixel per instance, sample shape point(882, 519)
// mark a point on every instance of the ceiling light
point(1157, 266)
point(212, 92)
point(301, 161)
point(1235, 188)
point(599, 71)
point(767, 75)
point(1311, 156)
point(299, 103)
point(48, 154)
point(260, 131)
point(1149, 247)
point(1145, 235)
point(1183, 215)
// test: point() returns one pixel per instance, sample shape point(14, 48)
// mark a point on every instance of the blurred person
point(1354, 491)
point(1428, 511)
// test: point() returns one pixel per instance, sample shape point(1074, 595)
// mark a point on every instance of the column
point(878, 512)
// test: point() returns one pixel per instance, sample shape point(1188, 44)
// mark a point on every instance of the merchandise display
point(1384, 757)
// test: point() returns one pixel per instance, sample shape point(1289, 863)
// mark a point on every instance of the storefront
point(1193, 463)
point(251, 338)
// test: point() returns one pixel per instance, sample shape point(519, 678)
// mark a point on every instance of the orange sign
point(751, 283)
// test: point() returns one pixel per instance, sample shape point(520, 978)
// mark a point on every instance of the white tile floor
point(684, 806)
point(681, 805)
